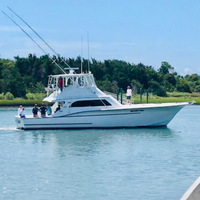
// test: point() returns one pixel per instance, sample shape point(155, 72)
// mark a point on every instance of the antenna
point(38, 35)
point(81, 54)
point(53, 61)
point(88, 53)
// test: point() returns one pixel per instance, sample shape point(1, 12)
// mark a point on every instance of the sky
point(136, 31)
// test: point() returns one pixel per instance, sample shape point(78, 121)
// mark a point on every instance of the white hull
point(144, 115)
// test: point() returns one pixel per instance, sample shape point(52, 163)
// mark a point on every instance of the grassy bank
point(17, 102)
point(156, 99)
point(171, 97)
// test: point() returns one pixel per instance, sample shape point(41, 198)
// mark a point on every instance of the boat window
point(88, 103)
point(81, 81)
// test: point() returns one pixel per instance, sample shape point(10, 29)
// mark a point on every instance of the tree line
point(23, 76)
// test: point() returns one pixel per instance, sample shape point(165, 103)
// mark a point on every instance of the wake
point(8, 129)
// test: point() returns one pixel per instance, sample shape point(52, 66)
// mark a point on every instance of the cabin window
point(88, 103)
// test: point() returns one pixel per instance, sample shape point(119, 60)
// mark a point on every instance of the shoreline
point(24, 102)
point(17, 102)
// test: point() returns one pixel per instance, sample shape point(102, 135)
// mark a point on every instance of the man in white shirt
point(128, 94)
point(20, 110)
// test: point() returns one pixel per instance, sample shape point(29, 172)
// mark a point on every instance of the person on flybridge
point(60, 83)
point(128, 94)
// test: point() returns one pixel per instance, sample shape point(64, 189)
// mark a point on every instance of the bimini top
point(71, 86)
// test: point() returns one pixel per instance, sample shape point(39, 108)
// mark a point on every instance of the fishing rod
point(62, 60)
point(53, 61)
point(81, 54)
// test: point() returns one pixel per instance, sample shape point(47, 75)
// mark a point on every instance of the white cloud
point(186, 71)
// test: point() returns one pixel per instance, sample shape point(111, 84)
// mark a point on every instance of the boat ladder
point(48, 88)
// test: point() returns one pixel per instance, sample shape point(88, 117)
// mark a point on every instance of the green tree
point(183, 86)
point(135, 85)
point(9, 96)
point(157, 89)
point(166, 68)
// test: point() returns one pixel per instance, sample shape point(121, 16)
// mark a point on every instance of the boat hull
point(108, 118)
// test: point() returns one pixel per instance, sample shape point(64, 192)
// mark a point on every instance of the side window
point(89, 103)
point(106, 102)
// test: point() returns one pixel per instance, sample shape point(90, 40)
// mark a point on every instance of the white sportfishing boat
point(83, 105)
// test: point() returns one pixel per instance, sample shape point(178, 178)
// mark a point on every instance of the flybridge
point(58, 83)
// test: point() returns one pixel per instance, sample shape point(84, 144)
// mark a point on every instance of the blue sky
point(146, 31)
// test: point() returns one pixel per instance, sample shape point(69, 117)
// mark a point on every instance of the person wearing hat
point(128, 94)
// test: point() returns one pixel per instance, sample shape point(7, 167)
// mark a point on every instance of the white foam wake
point(8, 129)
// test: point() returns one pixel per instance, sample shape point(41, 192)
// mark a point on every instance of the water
point(118, 164)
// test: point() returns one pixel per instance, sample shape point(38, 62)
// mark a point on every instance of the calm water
point(125, 164)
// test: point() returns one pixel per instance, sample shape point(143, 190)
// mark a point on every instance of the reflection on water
point(77, 137)
point(92, 141)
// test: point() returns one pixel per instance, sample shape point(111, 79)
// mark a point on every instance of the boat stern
point(19, 122)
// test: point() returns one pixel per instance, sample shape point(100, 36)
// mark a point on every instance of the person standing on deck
point(35, 111)
point(58, 108)
point(22, 114)
point(20, 110)
point(49, 110)
point(128, 94)
point(43, 110)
